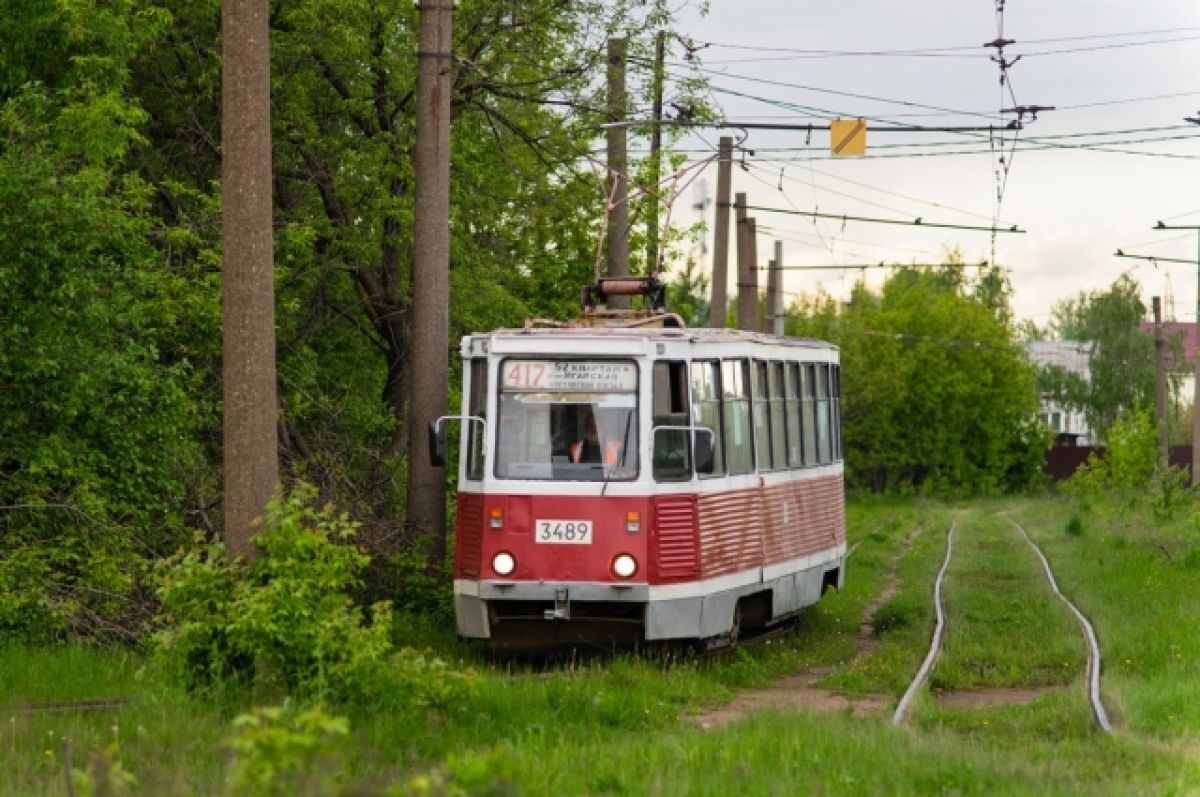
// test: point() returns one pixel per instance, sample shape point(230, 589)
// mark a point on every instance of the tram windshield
point(567, 420)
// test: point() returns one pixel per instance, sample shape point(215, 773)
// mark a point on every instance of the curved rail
point(1093, 666)
point(939, 631)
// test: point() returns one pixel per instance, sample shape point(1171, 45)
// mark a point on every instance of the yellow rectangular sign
point(848, 137)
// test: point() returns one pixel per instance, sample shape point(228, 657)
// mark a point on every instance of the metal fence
point(1062, 461)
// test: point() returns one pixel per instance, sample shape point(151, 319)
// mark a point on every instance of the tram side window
point(476, 408)
point(735, 405)
point(792, 394)
point(706, 403)
point(762, 416)
point(671, 458)
point(808, 378)
point(835, 374)
point(824, 440)
point(778, 425)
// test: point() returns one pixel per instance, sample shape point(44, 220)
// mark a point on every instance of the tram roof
point(625, 332)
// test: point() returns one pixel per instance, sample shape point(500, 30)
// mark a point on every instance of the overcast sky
point(1107, 66)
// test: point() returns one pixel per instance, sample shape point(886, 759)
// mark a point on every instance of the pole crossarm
point(809, 127)
point(837, 267)
point(917, 222)
point(1154, 259)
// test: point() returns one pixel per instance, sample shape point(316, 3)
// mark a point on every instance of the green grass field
point(621, 726)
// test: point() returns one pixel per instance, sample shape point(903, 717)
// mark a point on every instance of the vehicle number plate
point(567, 532)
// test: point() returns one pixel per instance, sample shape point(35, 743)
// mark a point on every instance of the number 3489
point(570, 532)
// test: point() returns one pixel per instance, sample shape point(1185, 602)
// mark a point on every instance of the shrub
point(285, 751)
point(65, 576)
point(1132, 467)
point(283, 616)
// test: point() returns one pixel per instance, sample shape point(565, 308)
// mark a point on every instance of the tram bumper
point(481, 605)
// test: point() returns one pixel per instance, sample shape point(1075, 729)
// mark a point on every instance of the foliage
point(1131, 467)
point(1120, 354)
point(284, 620)
point(283, 616)
point(936, 395)
point(526, 731)
point(100, 414)
point(105, 775)
point(285, 751)
point(687, 295)
point(526, 198)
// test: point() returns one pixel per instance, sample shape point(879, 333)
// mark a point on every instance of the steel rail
point(50, 706)
point(1093, 665)
point(939, 631)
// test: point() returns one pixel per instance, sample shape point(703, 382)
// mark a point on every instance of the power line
point(926, 51)
point(917, 222)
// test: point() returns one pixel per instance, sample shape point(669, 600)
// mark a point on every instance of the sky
point(1114, 158)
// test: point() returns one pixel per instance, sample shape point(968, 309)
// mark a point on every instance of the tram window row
point(766, 415)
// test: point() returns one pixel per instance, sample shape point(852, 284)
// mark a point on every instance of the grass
point(617, 727)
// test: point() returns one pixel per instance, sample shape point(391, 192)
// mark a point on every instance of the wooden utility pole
point(618, 172)
point(1160, 383)
point(430, 272)
point(653, 205)
point(720, 266)
point(249, 427)
point(775, 292)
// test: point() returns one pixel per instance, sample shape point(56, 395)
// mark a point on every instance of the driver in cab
point(592, 449)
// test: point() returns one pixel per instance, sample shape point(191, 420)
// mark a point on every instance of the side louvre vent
point(468, 535)
point(676, 551)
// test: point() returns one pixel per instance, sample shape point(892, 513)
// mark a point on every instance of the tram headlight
point(504, 563)
point(624, 566)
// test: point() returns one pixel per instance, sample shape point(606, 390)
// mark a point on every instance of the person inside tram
point(591, 449)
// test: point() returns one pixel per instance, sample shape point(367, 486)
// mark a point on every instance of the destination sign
point(582, 376)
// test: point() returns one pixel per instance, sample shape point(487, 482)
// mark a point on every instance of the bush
point(1132, 467)
point(284, 751)
point(65, 576)
point(283, 617)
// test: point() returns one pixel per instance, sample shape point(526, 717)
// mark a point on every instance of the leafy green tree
point(1120, 354)
point(935, 392)
point(99, 415)
point(526, 196)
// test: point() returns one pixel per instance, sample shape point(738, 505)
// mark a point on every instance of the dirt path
point(797, 692)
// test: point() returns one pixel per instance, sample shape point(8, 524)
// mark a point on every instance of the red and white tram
point(708, 499)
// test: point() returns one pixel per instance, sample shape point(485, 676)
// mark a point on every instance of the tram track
point(64, 706)
point(1094, 663)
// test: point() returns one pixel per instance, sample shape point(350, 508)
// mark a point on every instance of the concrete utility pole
point(718, 309)
point(249, 427)
point(618, 171)
point(660, 48)
point(775, 292)
point(431, 272)
point(747, 263)
point(1160, 383)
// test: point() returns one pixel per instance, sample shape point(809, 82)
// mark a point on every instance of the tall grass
point(619, 726)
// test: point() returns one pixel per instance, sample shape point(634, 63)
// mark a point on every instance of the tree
point(935, 393)
point(1120, 354)
point(525, 202)
point(101, 414)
